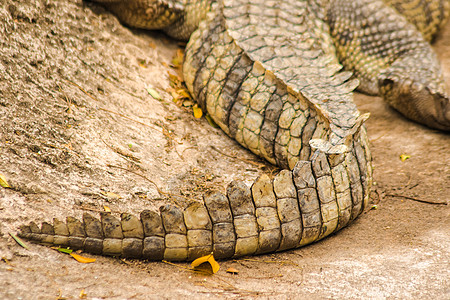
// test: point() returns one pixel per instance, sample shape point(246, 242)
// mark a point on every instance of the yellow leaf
point(106, 208)
point(153, 93)
point(404, 157)
point(206, 259)
point(232, 270)
point(82, 259)
point(83, 294)
point(197, 111)
point(3, 181)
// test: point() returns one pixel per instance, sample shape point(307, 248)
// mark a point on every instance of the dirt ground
point(79, 131)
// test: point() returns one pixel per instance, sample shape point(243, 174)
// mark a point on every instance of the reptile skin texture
point(278, 77)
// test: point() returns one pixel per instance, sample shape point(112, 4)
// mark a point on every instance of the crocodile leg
point(428, 16)
point(391, 58)
point(178, 18)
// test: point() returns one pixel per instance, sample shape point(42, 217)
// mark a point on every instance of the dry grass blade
point(19, 241)
point(259, 165)
point(416, 199)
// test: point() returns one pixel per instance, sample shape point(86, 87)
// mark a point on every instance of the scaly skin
point(391, 58)
point(267, 73)
point(421, 97)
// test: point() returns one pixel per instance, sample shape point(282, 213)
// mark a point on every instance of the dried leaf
point(82, 259)
point(65, 250)
point(174, 79)
point(106, 208)
point(209, 259)
point(404, 157)
point(173, 93)
point(177, 61)
point(3, 181)
point(153, 93)
point(188, 103)
point(184, 93)
point(111, 195)
point(19, 241)
point(83, 294)
point(232, 270)
point(198, 113)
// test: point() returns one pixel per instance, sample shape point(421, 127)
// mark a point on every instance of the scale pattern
point(391, 58)
point(268, 74)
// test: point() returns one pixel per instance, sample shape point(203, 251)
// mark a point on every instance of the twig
point(270, 261)
point(176, 265)
point(416, 199)
point(81, 89)
point(379, 197)
point(190, 269)
point(264, 277)
point(119, 114)
point(136, 121)
point(127, 156)
point(93, 209)
point(377, 138)
point(259, 165)
point(152, 182)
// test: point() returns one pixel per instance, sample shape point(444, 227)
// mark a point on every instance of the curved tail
point(293, 209)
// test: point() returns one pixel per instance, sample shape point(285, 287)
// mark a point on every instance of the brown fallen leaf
point(202, 263)
point(111, 195)
point(175, 81)
point(232, 270)
point(177, 61)
point(82, 259)
point(188, 103)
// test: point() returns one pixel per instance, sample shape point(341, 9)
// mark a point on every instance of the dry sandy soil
point(78, 131)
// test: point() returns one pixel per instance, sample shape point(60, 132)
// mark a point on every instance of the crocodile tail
point(295, 208)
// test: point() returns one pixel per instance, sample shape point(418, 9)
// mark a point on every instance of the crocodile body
point(268, 74)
